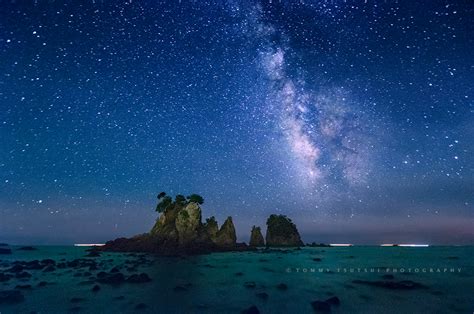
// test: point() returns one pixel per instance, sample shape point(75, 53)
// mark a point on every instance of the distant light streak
point(414, 245)
point(89, 244)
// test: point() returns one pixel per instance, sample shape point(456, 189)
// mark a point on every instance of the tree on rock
point(164, 201)
point(180, 199)
point(195, 198)
point(281, 231)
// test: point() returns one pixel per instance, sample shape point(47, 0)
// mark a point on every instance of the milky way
point(354, 119)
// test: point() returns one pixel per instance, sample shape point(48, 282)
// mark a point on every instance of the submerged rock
point(251, 310)
point(23, 275)
point(262, 295)
point(27, 248)
point(96, 288)
point(325, 306)
point(11, 296)
point(110, 279)
point(256, 237)
point(333, 301)
point(4, 277)
point(250, 284)
point(141, 278)
point(321, 306)
point(141, 306)
point(4, 250)
point(281, 231)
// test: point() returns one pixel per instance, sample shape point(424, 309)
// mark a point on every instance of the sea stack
point(282, 232)
point(256, 237)
point(180, 231)
point(226, 237)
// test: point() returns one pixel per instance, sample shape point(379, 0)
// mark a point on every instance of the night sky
point(355, 119)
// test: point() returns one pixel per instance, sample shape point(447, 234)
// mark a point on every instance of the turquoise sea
point(365, 279)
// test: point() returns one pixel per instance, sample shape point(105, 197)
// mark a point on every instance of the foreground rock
point(325, 306)
point(256, 237)
point(282, 232)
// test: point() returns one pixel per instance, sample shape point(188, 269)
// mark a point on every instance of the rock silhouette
point(282, 232)
point(179, 231)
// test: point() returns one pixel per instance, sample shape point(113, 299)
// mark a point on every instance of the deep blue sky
point(354, 119)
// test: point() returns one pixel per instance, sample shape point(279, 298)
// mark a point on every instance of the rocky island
point(179, 230)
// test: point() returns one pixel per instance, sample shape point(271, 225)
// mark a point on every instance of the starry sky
point(354, 118)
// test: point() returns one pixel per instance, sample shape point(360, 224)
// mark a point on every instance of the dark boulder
point(4, 277)
point(4, 250)
point(333, 301)
point(11, 296)
point(48, 261)
point(23, 275)
point(251, 310)
point(262, 295)
point(96, 288)
point(27, 248)
point(49, 268)
point(110, 279)
point(140, 278)
point(16, 268)
point(321, 306)
point(23, 287)
point(250, 284)
point(141, 306)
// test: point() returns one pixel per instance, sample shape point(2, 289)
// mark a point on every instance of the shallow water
point(215, 283)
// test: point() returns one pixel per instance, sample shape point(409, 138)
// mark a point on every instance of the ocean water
point(233, 282)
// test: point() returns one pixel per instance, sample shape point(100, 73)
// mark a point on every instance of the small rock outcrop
point(179, 230)
point(256, 237)
point(282, 232)
point(226, 237)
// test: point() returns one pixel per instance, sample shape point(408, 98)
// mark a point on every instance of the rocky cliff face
point(188, 224)
point(281, 231)
point(256, 237)
point(179, 230)
point(226, 237)
point(211, 228)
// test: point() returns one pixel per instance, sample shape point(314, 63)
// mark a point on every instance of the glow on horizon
point(340, 244)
